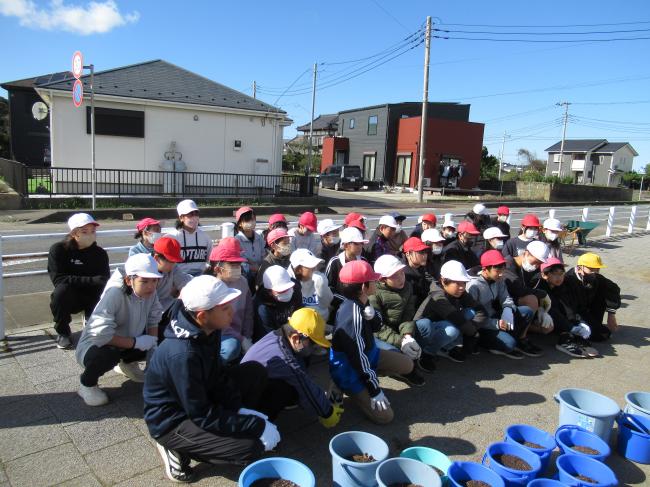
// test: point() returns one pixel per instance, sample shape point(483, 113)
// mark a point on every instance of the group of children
point(228, 331)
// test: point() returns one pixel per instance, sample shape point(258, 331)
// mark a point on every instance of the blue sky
point(511, 86)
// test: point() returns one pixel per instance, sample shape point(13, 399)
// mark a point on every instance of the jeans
point(437, 335)
point(497, 340)
point(230, 349)
point(382, 345)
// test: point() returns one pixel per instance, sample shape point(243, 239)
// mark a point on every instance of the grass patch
point(39, 185)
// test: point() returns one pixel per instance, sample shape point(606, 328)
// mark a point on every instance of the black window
point(372, 125)
point(351, 123)
point(121, 123)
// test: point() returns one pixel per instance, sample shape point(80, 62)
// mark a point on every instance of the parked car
point(341, 177)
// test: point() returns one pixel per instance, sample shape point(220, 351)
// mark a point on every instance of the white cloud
point(93, 18)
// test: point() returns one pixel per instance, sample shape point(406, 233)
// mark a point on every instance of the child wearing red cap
point(529, 231)
point(501, 221)
point(355, 359)
point(416, 256)
point(147, 232)
point(278, 243)
point(305, 236)
point(277, 220)
point(461, 249)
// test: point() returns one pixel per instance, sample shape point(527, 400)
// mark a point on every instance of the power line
point(389, 14)
point(294, 82)
point(546, 26)
point(612, 102)
point(542, 33)
point(489, 39)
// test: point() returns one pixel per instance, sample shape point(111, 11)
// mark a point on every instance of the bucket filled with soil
point(516, 464)
point(435, 459)
point(536, 440)
point(470, 474)
point(405, 472)
point(578, 441)
point(277, 472)
point(355, 458)
point(582, 471)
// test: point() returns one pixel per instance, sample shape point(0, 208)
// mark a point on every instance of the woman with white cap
point(195, 243)
point(78, 268)
point(122, 328)
point(552, 229)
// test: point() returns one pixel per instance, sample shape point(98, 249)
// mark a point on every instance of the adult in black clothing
point(416, 254)
point(78, 268)
point(461, 248)
point(278, 242)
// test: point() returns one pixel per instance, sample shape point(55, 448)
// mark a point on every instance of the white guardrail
point(616, 220)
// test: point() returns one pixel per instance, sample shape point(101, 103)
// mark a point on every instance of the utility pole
point(311, 122)
point(254, 89)
point(425, 104)
point(641, 186)
point(503, 147)
point(565, 104)
point(92, 132)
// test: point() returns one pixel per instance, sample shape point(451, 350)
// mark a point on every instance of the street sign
point(77, 64)
point(77, 93)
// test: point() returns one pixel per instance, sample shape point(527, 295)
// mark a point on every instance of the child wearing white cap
point(79, 270)
point(315, 290)
point(552, 230)
point(195, 243)
point(380, 240)
point(352, 242)
point(121, 329)
point(330, 239)
point(275, 301)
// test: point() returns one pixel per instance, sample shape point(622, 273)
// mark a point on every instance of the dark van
point(341, 177)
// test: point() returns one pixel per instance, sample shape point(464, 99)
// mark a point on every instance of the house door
point(340, 157)
point(369, 167)
point(403, 177)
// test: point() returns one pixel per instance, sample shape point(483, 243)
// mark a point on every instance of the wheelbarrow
point(579, 230)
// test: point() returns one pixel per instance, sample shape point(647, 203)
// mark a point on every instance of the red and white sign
point(77, 64)
point(77, 93)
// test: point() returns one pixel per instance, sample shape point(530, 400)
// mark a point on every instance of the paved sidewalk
point(49, 437)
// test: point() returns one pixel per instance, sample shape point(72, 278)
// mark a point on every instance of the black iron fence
point(62, 181)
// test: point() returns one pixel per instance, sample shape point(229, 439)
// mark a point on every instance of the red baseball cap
point(308, 220)
point(277, 217)
point(242, 211)
point(550, 262)
point(357, 272)
point(228, 250)
point(429, 217)
point(169, 248)
point(414, 244)
point(503, 210)
point(356, 220)
point(146, 222)
point(276, 234)
point(468, 227)
point(530, 220)
point(492, 257)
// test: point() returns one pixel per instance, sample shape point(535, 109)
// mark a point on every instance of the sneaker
point(426, 363)
point(525, 346)
point(586, 347)
point(63, 342)
point(513, 354)
point(92, 396)
point(177, 468)
point(413, 378)
point(456, 354)
point(131, 370)
point(571, 348)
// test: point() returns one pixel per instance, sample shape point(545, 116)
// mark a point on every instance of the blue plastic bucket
point(408, 471)
point(431, 457)
point(520, 433)
point(638, 403)
point(545, 483)
point(347, 473)
point(632, 443)
point(569, 466)
point(511, 476)
point(278, 467)
point(461, 472)
point(587, 409)
point(568, 436)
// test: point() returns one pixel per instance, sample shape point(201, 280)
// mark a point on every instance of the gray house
point(324, 126)
point(591, 161)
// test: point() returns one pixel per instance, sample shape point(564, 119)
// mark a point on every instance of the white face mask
point(498, 244)
point(335, 240)
point(531, 233)
point(85, 240)
point(232, 274)
point(527, 266)
point(550, 236)
point(450, 234)
point(152, 237)
point(192, 222)
point(285, 297)
point(284, 250)
point(398, 228)
point(502, 218)
point(249, 225)
point(436, 250)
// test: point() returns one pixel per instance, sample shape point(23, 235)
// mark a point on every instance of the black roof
point(431, 103)
point(163, 81)
point(322, 122)
point(612, 147)
point(578, 145)
point(38, 80)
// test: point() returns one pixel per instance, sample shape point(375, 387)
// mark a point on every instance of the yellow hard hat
point(591, 260)
point(310, 323)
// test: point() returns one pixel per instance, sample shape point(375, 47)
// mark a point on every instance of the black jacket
point(456, 251)
point(268, 261)
point(420, 281)
point(67, 264)
point(271, 314)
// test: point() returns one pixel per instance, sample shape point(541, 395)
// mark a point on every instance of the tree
point(4, 128)
point(489, 165)
point(530, 159)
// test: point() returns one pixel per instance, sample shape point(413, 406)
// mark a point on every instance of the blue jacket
point(185, 380)
point(275, 353)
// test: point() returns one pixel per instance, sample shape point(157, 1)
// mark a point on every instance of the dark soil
point(438, 471)
point(585, 449)
point(401, 484)
point(513, 462)
point(532, 445)
point(476, 483)
point(586, 479)
point(269, 482)
point(362, 458)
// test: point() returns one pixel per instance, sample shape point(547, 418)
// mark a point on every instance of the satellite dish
point(39, 110)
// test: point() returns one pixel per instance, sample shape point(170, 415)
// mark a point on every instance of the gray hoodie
point(485, 293)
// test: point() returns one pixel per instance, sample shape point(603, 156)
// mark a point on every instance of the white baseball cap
point(387, 265)
point(553, 224)
point(205, 292)
point(142, 265)
point(185, 207)
point(305, 258)
point(432, 235)
point(351, 234)
point(389, 221)
point(539, 250)
point(79, 220)
point(493, 232)
point(449, 223)
point(454, 271)
point(326, 226)
point(277, 278)
point(480, 209)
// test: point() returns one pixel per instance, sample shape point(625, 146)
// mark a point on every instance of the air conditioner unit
point(426, 182)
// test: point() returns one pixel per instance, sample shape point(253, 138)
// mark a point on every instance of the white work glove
point(271, 436)
point(246, 343)
point(252, 412)
point(508, 316)
point(410, 348)
point(582, 330)
point(379, 402)
point(546, 303)
point(368, 312)
point(544, 319)
point(145, 342)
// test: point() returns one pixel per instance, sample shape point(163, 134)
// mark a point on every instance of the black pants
point(67, 299)
point(99, 360)
point(277, 396)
